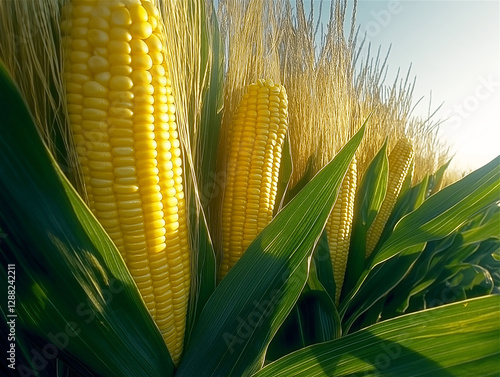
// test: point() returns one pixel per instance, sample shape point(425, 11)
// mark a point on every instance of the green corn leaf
point(461, 339)
point(306, 177)
point(384, 277)
point(418, 194)
point(488, 256)
point(323, 263)
point(205, 274)
point(252, 301)
point(212, 106)
point(425, 272)
point(207, 181)
point(430, 282)
point(462, 271)
point(403, 204)
point(489, 228)
point(369, 198)
point(72, 286)
point(314, 319)
point(372, 189)
point(328, 326)
point(436, 180)
point(290, 336)
point(437, 217)
point(407, 202)
point(299, 329)
point(474, 280)
point(447, 210)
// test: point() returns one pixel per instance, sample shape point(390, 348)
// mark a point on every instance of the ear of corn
point(400, 161)
point(256, 137)
point(121, 110)
point(339, 226)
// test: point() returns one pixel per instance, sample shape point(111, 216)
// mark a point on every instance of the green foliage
point(314, 318)
point(252, 301)
point(201, 190)
point(430, 343)
point(436, 179)
point(74, 290)
point(436, 218)
point(369, 198)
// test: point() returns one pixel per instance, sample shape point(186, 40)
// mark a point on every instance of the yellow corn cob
point(339, 226)
point(400, 161)
point(256, 136)
point(121, 110)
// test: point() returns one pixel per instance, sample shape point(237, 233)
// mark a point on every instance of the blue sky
point(454, 49)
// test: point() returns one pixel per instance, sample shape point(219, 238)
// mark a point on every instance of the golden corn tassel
point(121, 110)
point(400, 161)
point(339, 226)
point(256, 137)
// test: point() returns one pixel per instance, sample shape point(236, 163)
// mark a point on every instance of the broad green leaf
point(474, 280)
point(447, 271)
point(252, 301)
point(423, 274)
point(407, 202)
point(438, 275)
point(404, 203)
point(436, 218)
point(419, 194)
point(207, 181)
point(314, 319)
point(445, 211)
point(308, 174)
point(436, 180)
point(372, 189)
point(490, 228)
point(62, 369)
point(323, 263)
point(461, 339)
point(205, 275)
point(316, 300)
point(488, 256)
point(482, 217)
point(369, 198)
point(380, 281)
point(72, 286)
point(210, 124)
point(328, 326)
point(371, 316)
point(457, 283)
point(290, 336)
point(430, 279)
point(466, 271)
